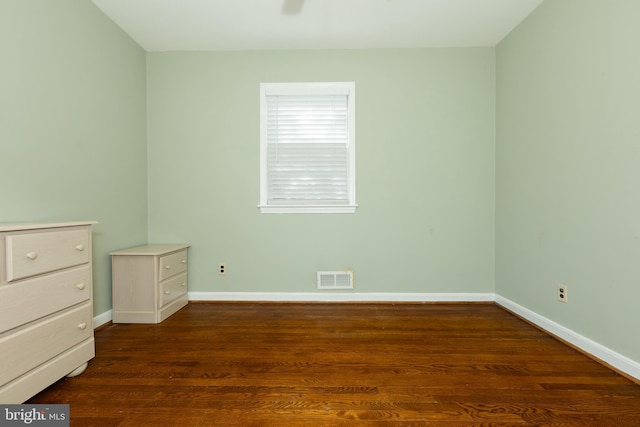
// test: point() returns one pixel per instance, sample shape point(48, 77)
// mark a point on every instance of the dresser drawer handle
point(32, 255)
point(82, 326)
point(167, 292)
point(80, 286)
point(184, 261)
point(80, 247)
point(184, 285)
point(167, 267)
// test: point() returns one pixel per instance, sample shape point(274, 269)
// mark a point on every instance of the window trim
point(308, 89)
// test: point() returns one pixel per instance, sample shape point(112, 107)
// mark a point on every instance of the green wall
point(568, 167)
point(425, 171)
point(73, 125)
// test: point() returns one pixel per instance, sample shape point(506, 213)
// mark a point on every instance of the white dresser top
point(41, 225)
point(158, 249)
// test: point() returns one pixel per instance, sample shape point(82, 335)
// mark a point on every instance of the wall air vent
point(335, 279)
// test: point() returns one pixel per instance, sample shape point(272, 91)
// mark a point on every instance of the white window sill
point(270, 209)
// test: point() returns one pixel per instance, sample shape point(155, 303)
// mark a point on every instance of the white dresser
point(46, 305)
point(149, 283)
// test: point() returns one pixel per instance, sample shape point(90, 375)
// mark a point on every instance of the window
point(307, 148)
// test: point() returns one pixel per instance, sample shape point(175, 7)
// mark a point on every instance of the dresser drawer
point(173, 264)
point(30, 347)
point(32, 299)
point(172, 289)
point(30, 254)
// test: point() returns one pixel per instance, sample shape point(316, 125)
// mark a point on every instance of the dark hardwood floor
point(245, 364)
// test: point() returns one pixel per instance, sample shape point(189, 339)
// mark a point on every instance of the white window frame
point(348, 88)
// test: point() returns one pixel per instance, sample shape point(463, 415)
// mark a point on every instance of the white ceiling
point(205, 25)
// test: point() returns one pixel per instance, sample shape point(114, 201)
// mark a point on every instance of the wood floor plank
point(252, 364)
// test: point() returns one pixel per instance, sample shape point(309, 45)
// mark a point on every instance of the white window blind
point(307, 148)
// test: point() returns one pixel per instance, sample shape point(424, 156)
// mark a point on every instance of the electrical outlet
point(222, 269)
point(562, 293)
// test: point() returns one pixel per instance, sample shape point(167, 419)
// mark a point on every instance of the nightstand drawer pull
point(167, 292)
point(80, 286)
point(80, 247)
point(82, 326)
point(32, 255)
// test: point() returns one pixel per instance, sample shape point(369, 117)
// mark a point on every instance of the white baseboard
point(103, 318)
point(600, 352)
point(340, 297)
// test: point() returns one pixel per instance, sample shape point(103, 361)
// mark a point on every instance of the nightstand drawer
point(172, 289)
point(173, 264)
point(29, 254)
point(30, 347)
point(32, 299)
